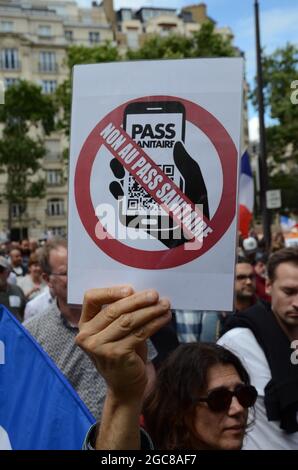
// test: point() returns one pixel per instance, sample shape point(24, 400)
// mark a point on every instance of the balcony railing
point(51, 213)
point(44, 67)
point(55, 184)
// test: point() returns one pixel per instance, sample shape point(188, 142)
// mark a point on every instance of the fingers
point(112, 312)
point(140, 335)
point(184, 162)
point(195, 187)
point(117, 169)
point(116, 189)
point(94, 299)
point(119, 173)
point(121, 348)
point(136, 321)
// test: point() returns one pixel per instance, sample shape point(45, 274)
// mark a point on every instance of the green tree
point(288, 185)
point(77, 55)
point(158, 47)
point(203, 43)
point(26, 116)
point(280, 70)
point(208, 43)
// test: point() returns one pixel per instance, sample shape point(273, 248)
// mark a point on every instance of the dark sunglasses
point(242, 277)
point(220, 399)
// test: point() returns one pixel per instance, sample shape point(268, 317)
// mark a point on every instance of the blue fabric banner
point(39, 409)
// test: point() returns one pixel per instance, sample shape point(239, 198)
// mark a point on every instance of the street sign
point(273, 199)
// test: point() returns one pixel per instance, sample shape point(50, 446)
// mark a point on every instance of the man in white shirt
point(16, 262)
point(263, 339)
point(39, 304)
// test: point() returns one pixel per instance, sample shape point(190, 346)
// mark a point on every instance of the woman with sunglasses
point(200, 400)
point(202, 394)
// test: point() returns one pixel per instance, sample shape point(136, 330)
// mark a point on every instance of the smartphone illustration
point(155, 127)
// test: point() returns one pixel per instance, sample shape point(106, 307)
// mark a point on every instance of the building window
point(54, 177)
point(17, 210)
point(147, 15)
point(166, 29)
point(126, 15)
point(8, 82)
point(69, 35)
point(57, 231)
point(93, 37)
point(44, 31)
point(53, 150)
point(132, 38)
point(6, 26)
point(55, 207)
point(48, 86)
point(187, 16)
point(47, 62)
point(9, 59)
point(86, 18)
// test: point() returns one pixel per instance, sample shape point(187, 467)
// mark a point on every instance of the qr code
point(138, 198)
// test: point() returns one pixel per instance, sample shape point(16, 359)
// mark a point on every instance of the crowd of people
point(247, 398)
point(153, 377)
point(21, 277)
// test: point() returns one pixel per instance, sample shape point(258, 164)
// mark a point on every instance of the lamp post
point(263, 160)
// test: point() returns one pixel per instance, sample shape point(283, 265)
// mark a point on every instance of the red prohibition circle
point(169, 258)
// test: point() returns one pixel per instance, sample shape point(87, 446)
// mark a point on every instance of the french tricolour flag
point(246, 195)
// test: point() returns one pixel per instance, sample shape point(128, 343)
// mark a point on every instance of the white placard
point(163, 136)
point(273, 199)
point(14, 301)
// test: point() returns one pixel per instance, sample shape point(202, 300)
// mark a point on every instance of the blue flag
point(39, 409)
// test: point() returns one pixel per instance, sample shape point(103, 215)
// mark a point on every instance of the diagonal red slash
point(120, 144)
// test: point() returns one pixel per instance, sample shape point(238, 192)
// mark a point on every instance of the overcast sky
point(278, 19)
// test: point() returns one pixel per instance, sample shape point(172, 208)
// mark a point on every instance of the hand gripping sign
point(151, 168)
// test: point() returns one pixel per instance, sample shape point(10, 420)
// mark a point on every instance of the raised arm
point(114, 327)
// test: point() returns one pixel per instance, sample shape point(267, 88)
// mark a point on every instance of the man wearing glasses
point(244, 285)
point(195, 325)
point(265, 337)
point(56, 328)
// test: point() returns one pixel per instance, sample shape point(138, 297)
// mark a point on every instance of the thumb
point(195, 188)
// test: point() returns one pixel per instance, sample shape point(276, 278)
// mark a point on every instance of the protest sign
point(153, 178)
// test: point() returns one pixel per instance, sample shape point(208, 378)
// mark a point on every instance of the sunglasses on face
point(220, 399)
point(243, 277)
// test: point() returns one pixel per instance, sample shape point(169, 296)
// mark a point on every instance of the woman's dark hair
point(170, 409)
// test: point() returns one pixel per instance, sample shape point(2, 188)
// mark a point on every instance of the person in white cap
point(250, 247)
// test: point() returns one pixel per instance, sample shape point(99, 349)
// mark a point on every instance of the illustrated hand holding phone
point(159, 128)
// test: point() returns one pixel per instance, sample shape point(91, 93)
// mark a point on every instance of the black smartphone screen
point(155, 127)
